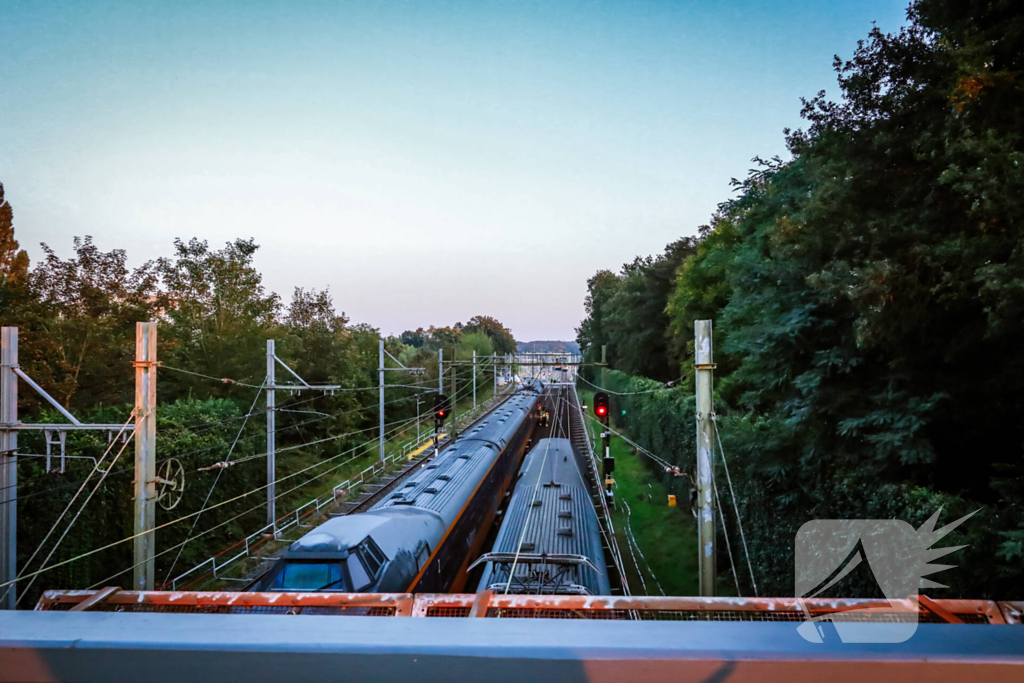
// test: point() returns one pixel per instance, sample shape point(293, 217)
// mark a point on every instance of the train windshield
point(310, 576)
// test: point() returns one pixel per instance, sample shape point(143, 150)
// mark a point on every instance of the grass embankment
point(665, 550)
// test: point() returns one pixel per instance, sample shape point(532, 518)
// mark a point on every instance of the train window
point(360, 578)
point(423, 555)
point(310, 576)
point(371, 556)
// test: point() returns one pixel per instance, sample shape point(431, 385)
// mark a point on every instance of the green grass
point(666, 536)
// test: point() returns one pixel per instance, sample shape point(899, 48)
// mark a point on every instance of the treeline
point(76, 318)
point(867, 295)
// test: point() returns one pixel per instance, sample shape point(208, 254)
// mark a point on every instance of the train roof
point(552, 503)
point(389, 528)
point(447, 482)
point(552, 460)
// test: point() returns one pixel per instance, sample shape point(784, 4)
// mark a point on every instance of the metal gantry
point(271, 386)
point(10, 373)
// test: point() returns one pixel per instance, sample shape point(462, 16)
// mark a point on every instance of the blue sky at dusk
point(427, 161)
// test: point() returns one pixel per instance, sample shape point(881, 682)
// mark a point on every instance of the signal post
point(601, 409)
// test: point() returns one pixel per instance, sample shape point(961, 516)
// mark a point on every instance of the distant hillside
point(549, 346)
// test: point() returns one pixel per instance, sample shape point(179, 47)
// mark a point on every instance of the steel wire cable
point(259, 506)
point(658, 459)
point(241, 496)
point(401, 423)
point(70, 503)
point(665, 385)
point(216, 479)
point(77, 515)
point(725, 532)
point(206, 449)
point(732, 493)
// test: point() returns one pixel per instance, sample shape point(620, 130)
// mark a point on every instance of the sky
point(425, 161)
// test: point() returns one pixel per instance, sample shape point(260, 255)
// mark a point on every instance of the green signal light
point(623, 412)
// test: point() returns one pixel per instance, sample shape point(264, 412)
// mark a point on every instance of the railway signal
point(601, 409)
point(442, 407)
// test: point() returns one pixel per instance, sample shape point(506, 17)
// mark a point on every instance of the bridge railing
point(489, 605)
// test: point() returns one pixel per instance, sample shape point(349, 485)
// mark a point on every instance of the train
point(420, 537)
point(561, 550)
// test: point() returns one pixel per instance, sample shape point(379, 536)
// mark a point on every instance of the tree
point(592, 333)
point(414, 338)
point(88, 307)
point(219, 311)
point(13, 260)
point(867, 295)
point(500, 336)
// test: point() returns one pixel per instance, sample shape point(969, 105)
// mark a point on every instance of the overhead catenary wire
point(74, 519)
point(241, 496)
point(216, 479)
point(529, 510)
point(205, 449)
point(401, 424)
point(658, 459)
point(258, 506)
point(95, 468)
point(179, 456)
point(663, 387)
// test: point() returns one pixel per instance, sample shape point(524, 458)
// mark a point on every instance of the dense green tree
point(867, 295)
point(501, 337)
point(219, 313)
point(593, 332)
point(13, 260)
point(87, 307)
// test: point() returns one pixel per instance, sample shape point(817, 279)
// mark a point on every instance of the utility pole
point(8, 463)
point(145, 457)
point(474, 379)
point(271, 434)
point(494, 371)
point(704, 366)
point(380, 354)
point(440, 371)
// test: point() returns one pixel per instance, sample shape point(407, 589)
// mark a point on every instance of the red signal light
point(600, 410)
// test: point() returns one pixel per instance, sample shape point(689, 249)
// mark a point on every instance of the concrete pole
point(474, 379)
point(380, 354)
point(271, 435)
point(494, 371)
point(704, 365)
point(143, 578)
point(440, 371)
point(8, 463)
